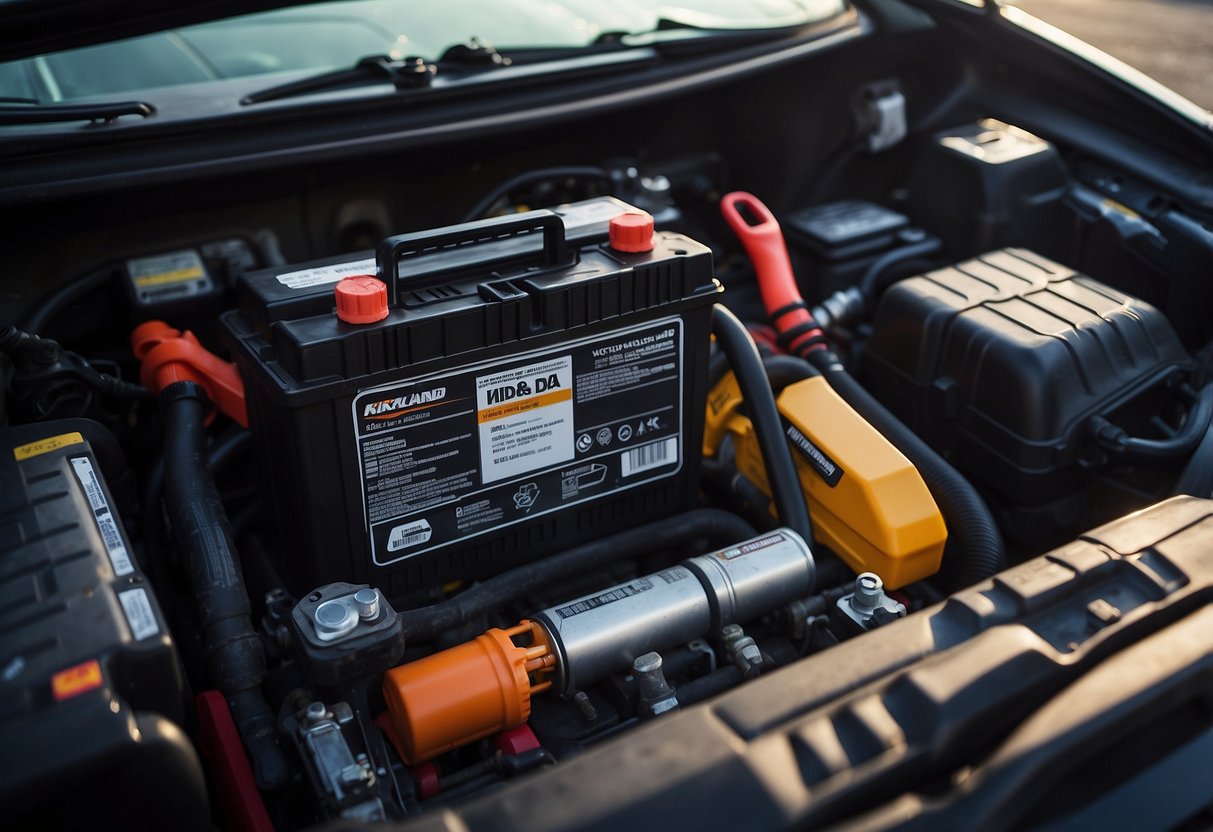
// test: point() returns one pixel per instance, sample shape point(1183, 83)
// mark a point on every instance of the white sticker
point(106, 523)
point(139, 613)
point(321, 275)
point(652, 455)
point(409, 534)
point(577, 215)
point(526, 418)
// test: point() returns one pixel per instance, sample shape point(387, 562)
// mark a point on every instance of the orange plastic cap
point(632, 232)
point(465, 693)
point(361, 299)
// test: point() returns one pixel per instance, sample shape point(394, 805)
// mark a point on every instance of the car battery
point(510, 393)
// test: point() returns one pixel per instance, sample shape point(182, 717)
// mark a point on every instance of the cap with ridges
point(361, 299)
point(632, 232)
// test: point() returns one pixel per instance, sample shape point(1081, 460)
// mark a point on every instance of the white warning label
point(320, 275)
point(139, 613)
point(106, 524)
point(526, 418)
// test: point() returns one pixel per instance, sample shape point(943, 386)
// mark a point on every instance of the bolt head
point(648, 663)
point(367, 602)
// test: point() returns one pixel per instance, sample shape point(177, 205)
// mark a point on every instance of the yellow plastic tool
point(867, 501)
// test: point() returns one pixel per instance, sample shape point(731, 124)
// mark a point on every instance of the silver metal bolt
point(647, 665)
point(367, 602)
point(315, 712)
point(656, 695)
point(869, 590)
point(332, 617)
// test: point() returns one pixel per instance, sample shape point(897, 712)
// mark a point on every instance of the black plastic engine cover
point(999, 362)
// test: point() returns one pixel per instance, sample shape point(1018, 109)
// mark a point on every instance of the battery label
point(324, 275)
point(450, 456)
point(106, 524)
point(139, 613)
point(165, 277)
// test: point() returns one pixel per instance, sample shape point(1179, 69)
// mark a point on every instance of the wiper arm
point(34, 113)
point(406, 74)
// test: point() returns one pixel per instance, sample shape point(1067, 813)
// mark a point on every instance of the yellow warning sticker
point(45, 446)
point(173, 276)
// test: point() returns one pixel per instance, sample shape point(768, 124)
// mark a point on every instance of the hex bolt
point(656, 695)
point(367, 603)
point(869, 591)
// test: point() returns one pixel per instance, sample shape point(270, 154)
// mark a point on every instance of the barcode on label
point(653, 455)
point(119, 557)
point(410, 534)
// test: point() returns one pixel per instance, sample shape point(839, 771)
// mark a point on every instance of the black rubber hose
point(235, 656)
point(709, 685)
point(783, 370)
point(971, 529)
point(746, 364)
point(1138, 451)
point(67, 294)
point(879, 274)
point(716, 526)
point(531, 178)
point(1197, 478)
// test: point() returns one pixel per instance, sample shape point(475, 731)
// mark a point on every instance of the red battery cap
point(361, 299)
point(632, 232)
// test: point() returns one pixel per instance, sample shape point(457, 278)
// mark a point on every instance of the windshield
point(336, 34)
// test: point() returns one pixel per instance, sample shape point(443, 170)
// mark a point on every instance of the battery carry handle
point(402, 246)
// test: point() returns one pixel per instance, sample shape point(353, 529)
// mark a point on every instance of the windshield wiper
point(406, 74)
point(35, 113)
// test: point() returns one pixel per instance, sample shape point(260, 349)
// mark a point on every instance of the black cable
point(783, 370)
point(530, 178)
point(760, 405)
point(712, 525)
point(235, 657)
point(1139, 451)
point(972, 531)
point(48, 308)
point(879, 274)
point(36, 357)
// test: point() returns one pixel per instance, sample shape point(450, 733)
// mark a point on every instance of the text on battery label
point(322, 275)
point(139, 613)
point(482, 448)
point(106, 524)
point(618, 594)
point(653, 455)
point(526, 418)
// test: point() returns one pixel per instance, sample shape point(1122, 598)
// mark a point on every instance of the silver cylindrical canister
point(752, 578)
point(597, 635)
point(600, 634)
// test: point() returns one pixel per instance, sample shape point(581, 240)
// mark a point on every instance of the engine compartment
point(418, 476)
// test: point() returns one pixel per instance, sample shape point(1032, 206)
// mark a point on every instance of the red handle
point(759, 232)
